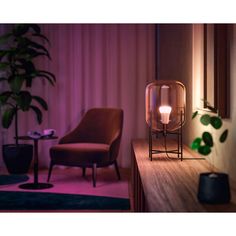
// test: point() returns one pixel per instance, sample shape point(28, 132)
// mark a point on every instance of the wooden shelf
point(170, 185)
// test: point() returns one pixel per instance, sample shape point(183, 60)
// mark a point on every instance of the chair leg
point(84, 171)
point(117, 170)
point(50, 171)
point(94, 174)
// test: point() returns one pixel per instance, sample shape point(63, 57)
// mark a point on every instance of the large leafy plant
point(205, 143)
point(18, 50)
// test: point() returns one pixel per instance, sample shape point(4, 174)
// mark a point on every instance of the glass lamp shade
point(165, 104)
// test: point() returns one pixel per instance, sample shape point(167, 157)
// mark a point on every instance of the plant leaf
point(35, 27)
point(30, 53)
point(224, 136)
point(20, 29)
point(205, 119)
point(49, 73)
point(42, 36)
point(4, 65)
point(38, 113)
point(41, 101)
point(24, 42)
point(47, 78)
point(8, 117)
point(24, 100)
point(4, 97)
point(207, 138)
point(204, 150)
point(16, 83)
point(41, 47)
point(3, 53)
point(194, 114)
point(196, 143)
point(216, 122)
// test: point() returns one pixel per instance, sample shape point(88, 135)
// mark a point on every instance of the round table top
point(26, 137)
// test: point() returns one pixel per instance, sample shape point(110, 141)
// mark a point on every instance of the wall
point(223, 155)
point(181, 58)
point(174, 60)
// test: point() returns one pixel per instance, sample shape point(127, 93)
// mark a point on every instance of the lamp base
point(214, 188)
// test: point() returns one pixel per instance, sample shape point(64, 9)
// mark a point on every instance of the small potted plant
point(213, 186)
point(18, 50)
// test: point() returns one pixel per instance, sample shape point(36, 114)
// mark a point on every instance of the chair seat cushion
point(79, 154)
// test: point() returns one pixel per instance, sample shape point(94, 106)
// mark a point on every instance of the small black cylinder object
point(213, 188)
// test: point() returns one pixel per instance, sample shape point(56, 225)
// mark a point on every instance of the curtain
point(96, 65)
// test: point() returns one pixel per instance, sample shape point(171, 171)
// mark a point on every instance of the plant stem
point(16, 126)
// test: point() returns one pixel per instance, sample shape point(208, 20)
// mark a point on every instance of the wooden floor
point(170, 185)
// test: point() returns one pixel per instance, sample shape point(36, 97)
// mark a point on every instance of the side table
point(36, 185)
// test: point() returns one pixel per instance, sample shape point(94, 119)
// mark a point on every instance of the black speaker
point(214, 188)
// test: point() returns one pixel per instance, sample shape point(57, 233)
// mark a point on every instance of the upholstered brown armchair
point(93, 143)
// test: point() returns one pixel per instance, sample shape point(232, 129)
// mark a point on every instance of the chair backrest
point(99, 125)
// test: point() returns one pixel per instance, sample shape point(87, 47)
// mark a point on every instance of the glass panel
point(165, 104)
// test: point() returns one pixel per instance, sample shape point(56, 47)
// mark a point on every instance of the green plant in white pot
point(18, 50)
point(213, 186)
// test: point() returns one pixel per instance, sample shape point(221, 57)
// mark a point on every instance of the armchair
point(92, 144)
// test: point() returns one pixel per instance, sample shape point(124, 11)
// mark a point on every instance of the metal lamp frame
point(165, 132)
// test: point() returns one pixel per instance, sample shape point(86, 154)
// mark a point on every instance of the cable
point(165, 146)
point(166, 151)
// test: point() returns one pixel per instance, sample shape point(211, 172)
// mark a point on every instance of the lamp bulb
point(165, 114)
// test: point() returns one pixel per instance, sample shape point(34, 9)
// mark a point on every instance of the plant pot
point(213, 188)
point(17, 158)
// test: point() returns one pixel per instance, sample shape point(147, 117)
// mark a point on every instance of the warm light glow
point(165, 90)
point(165, 114)
point(198, 73)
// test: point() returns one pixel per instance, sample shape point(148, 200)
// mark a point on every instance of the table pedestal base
point(35, 186)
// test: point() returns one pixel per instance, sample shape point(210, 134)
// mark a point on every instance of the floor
point(70, 180)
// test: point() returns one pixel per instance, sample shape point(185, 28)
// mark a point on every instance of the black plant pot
point(214, 188)
point(17, 158)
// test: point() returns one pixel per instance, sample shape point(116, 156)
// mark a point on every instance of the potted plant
point(18, 50)
point(213, 186)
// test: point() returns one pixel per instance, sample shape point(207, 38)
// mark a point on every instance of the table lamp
point(165, 113)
